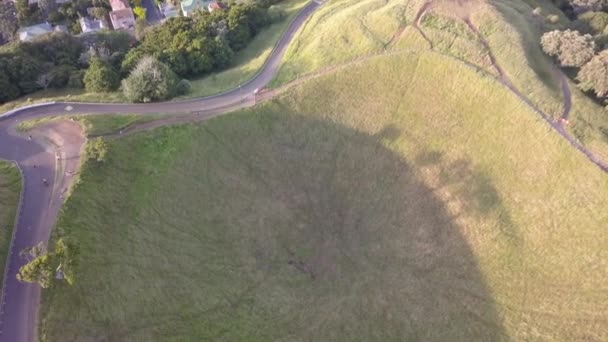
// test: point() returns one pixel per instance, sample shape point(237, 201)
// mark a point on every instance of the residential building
point(168, 10)
point(213, 5)
point(121, 16)
point(189, 6)
point(91, 25)
point(28, 33)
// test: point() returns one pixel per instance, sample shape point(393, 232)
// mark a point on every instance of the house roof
point(118, 5)
point(29, 32)
point(191, 5)
point(214, 6)
point(90, 24)
point(122, 14)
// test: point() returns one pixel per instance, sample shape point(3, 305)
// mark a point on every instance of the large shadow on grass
point(295, 229)
point(334, 238)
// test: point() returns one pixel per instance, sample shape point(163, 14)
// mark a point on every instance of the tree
point(26, 15)
point(570, 47)
point(100, 77)
point(586, 5)
point(39, 270)
point(594, 75)
point(140, 28)
point(44, 265)
point(97, 149)
point(140, 12)
point(8, 21)
point(151, 80)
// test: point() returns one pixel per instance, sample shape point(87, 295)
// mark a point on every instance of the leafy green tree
point(594, 75)
point(39, 271)
point(582, 5)
point(26, 15)
point(8, 89)
point(140, 12)
point(150, 81)
point(140, 28)
point(97, 149)
point(100, 77)
point(44, 266)
point(8, 21)
point(571, 48)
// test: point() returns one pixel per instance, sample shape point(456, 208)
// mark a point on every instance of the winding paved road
point(37, 160)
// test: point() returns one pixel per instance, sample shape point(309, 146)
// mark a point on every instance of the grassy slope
point(508, 26)
point(10, 189)
point(387, 187)
point(246, 63)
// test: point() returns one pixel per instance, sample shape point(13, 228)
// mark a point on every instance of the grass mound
point(346, 30)
point(385, 201)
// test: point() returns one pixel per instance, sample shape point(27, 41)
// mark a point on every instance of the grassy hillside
point(346, 30)
point(407, 196)
point(10, 190)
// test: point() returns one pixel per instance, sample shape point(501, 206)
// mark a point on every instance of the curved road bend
point(40, 204)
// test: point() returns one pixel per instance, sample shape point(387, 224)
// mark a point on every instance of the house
point(121, 16)
point(90, 25)
point(215, 6)
point(189, 6)
point(28, 33)
point(167, 10)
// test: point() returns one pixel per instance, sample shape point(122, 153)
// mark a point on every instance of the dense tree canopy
point(196, 45)
point(23, 65)
point(594, 75)
point(571, 48)
point(100, 77)
point(151, 80)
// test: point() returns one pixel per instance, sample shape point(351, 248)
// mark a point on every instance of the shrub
point(183, 87)
point(570, 47)
point(100, 77)
point(151, 80)
point(594, 75)
point(76, 79)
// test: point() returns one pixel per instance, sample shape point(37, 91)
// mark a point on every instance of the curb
point(16, 111)
point(10, 248)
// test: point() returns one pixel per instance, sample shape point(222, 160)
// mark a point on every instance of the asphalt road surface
point(38, 160)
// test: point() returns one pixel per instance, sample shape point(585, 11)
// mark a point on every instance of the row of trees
point(193, 46)
point(56, 60)
point(182, 47)
point(581, 47)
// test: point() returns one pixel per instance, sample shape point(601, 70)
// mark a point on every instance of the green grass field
point(10, 190)
point(345, 30)
point(407, 197)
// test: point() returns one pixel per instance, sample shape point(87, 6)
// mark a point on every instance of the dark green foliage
point(53, 56)
point(97, 149)
point(150, 81)
point(8, 21)
point(100, 77)
point(200, 44)
point(44, 266)
point(27, 15)
point(76, 79)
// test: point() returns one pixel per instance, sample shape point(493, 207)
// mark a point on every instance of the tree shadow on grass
point(342, 240)
point(529, 28)
point(293, 228)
